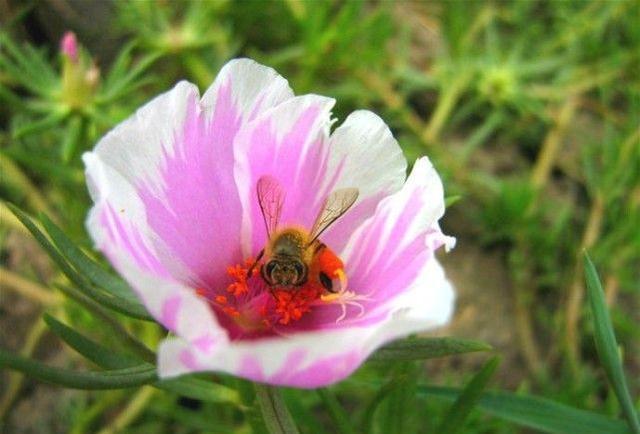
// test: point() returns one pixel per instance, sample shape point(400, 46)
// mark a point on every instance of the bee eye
point(269, 267)
point(300, 270)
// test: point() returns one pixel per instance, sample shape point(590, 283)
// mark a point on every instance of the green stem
point(446, 102)
point(337, 412)
point(274, 410)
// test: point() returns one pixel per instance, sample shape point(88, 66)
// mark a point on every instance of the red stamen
point(283, 306)
point(293, 304)
point(239, 273)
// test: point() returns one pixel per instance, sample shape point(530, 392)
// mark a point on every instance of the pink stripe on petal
point(289, 143)
point(197, 214)
point(189, 360)
point(123, 234)
point(321, 372)
point(250, 368)
point(293, 361)
point(205, 343)
point(170, 309)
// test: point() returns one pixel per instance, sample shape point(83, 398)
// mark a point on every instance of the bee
point(293, 255)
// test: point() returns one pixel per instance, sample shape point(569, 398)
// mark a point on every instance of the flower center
point(251, 307)
point(255, 306)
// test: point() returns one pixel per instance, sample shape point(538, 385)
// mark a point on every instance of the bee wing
point(335, 206)
point(270, 197)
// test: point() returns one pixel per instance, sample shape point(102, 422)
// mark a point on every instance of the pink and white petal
point(425, 305)
point(117, 223)
point(367, 157)
point(319, 358)
point(118, 220)
point(254, 87)
point(290, 143)
point(304, 360)
point(387, 252)
point(174, 305)
point(137, 147)
point(177, 151)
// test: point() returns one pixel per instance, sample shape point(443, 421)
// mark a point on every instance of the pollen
point(240, 274)
point(292, 305)
point(256, 306)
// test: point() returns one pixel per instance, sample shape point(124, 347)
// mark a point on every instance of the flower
point(178, 214)
point(80, 76)
point(69, 46)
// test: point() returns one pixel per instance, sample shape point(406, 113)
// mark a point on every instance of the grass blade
point(427, 348)
point(103, 298)
point(454, 420)
point(607, 346)
point(276, 416)
point(92, 380)
point(534, 412)
point(203, 390)
point(119, 331)
point(337, 412)
point(94, 272)
point(101, 356)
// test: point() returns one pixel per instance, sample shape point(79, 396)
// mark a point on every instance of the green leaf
point(46, 123)
point(337, 412)
point(454, 421)
point(607, 346)
point(534, 412)
point(121, 377)
point(400, 404)
point(72, 137)
point(118, 331)
point(91, 270)
point(381, 394)
point(100, 355)
point(196, 388)
point(116, 303)
point(427, 348)
point(276, 416)
point(450, 200)
point(91, 380)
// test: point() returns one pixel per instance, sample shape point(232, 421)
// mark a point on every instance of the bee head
point(285, 272)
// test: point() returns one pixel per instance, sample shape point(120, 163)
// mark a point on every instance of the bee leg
point(250, 270)
point(341, 279)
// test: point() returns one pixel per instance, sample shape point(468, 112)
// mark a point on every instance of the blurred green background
point(530, 111)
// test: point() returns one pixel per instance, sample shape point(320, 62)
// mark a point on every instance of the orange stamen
point(285, 305)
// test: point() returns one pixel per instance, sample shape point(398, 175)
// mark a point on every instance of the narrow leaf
point(114, 286)
point(427, 348)
point(381, 394)
point(81, 262)
point(607, 346)
point(534, 412)
point(91, 380)
point(100, 355)
point(400, 404)
point(196, 388)
point(337, 412)
point(118, 331)
point(454, 420)
point(119, 378)
point(276, 416)
point(101, 297)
